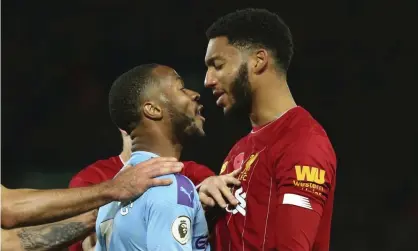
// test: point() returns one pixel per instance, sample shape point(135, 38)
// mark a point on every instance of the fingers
point(206, 200)
point(161, 182)
point(216, 195)
point(235, 172)
point(226, 192)
point(166, 168)
point(229, 180)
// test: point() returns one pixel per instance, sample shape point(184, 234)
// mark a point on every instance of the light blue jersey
point(164, 218)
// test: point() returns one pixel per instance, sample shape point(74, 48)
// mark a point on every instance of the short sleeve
point(305, 173)
point(175, 219)
point(169, 226)
point(200, 229)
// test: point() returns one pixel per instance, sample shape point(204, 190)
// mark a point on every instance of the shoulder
point(97, 172)
point(309, 155)
point(304, 143)
point(314, 148)
point(179, 181)
point(180, 192)
point(301, 132)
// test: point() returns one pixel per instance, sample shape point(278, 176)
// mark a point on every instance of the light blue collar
point(145, 154)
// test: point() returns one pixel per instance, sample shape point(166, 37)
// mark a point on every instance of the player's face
point(183, 107)
point(227, 76)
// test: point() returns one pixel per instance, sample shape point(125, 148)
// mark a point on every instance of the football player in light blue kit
point(152, 105)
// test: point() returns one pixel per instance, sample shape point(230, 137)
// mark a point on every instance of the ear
point(259, 61)
point(152, 111)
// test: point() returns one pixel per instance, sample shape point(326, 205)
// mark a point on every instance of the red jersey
point(287, 188)
point(98, 172)
point(104, 170)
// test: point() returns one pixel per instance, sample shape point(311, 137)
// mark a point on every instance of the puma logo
point(189, 194)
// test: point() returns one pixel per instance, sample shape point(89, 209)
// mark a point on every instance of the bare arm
point(23, 207)
point(50, 236)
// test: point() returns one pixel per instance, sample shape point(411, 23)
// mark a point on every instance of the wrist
point(108, 191)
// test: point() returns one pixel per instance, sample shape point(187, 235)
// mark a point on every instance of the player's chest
point(255, 173)
point(256, 194)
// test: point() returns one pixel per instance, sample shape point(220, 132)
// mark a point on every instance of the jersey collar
point(145, 154)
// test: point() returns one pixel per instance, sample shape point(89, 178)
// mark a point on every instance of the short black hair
point(252, 28)
point(126, 94)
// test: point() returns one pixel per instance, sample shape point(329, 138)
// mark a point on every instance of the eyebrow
point(211, 60)
point(180, 80)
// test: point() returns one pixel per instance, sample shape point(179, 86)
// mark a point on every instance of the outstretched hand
point(134, 181)
point(214, 189)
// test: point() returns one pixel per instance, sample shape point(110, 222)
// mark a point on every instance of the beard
point(183, 126)
point(241, 93)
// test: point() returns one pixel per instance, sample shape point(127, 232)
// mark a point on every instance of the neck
point(271, 100)
point(125, 155)
point(154, 140)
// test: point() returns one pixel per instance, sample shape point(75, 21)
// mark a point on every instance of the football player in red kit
point(104, 170)
point(287, 163)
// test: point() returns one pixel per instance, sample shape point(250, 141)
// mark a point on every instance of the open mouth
point(199, 112)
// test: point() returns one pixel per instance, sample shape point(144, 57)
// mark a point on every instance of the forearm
point(23, 207)
point(50, 236)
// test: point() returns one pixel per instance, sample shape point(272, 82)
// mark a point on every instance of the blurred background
point(355, 69)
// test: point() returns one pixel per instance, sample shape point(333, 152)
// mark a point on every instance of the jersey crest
point(181, 229)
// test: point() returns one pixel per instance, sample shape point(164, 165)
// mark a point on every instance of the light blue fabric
point(163, 218)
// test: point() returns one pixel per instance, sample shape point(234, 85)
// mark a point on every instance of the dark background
point(355, 70)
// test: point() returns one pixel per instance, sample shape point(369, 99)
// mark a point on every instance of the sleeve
point(200, 229)
point(169, 226)
point(305, 175)
point(196, 172)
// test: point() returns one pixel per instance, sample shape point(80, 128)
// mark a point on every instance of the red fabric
point(196, 172)
point(287, 188)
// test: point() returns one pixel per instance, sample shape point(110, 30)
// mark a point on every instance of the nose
point(194, 95)
point(210, 80)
